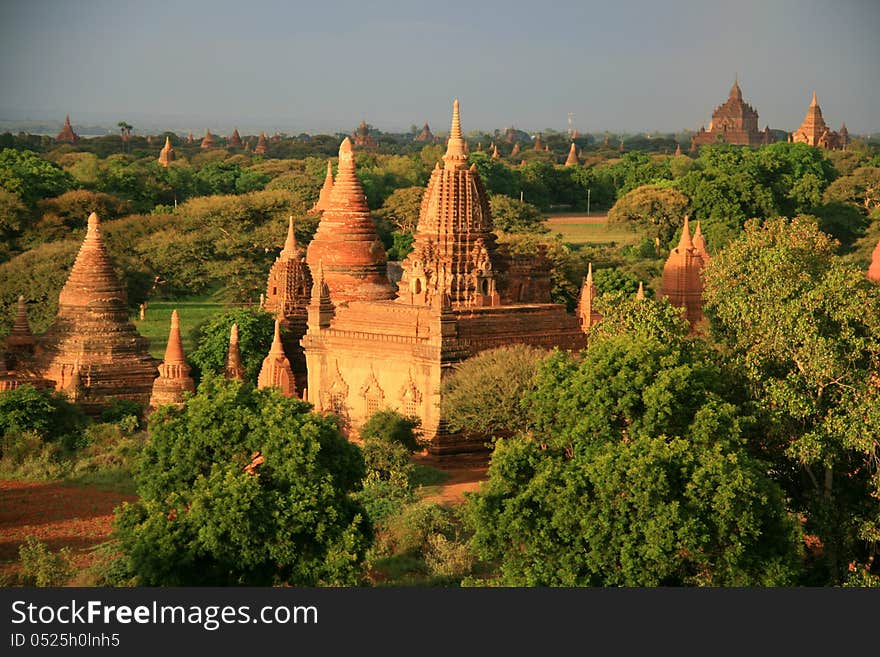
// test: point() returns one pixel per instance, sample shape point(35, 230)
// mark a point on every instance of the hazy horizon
point(292, 67)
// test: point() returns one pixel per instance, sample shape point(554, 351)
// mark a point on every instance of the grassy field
point(580, 229)
point(158, 319)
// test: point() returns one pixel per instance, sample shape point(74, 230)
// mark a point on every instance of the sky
point(325, 65)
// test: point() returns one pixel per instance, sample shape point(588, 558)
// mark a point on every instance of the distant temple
point(682, 274)
point(208, 141)
point(166, 155)
point(572, 159)
point(369, 348)
point(323, 201)
point(734, 122)
point(362, 137)
point(539, 145)
point(262, 146)
point(425, 136)
point(814, 132)
point(174, 381)
point(234, 139)
point(67, 134)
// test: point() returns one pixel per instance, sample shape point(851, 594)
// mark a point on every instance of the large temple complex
point(734, 122)
point(346, 338)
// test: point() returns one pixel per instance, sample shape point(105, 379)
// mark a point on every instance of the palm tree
point(125, 132)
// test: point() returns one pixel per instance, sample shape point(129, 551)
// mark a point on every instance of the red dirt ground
point(60, 515)
point(465, 475)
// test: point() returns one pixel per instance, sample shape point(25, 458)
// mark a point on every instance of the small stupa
point(174, 381)
point(262, 146)
point(276, 372)
point(323, 201)
point(572, 159)
point(586, 310)
point(234, 368)
point(234, 139)
point(208, 140)
point(166, 155)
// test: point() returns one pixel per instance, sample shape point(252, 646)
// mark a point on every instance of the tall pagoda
point(174, 381)
point(67, 134)
point(92, 351)
point(208, 140)
point(166, 155)
point(460, 293)
point(815, 132)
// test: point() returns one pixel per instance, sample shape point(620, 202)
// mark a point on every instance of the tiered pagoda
point(288, 292)
point(682, 276)
point(539, 145)
point(460, 294)
point(234, 139)
point(425, 136)
point(815, 132)
point(734, 122)
point(17, 355)
point(323, 201)
point(91, 351)
point(166, 155)
point(174, 381)
point(67, 134)
point(276, 372)
point(347, 242)
point(20, 343)
point(208, 140)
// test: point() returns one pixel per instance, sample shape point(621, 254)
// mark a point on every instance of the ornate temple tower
point(67, 134)
point(460, 294)
point(208, 140)
point(700, 244)
point(682, 280)
point(363, 138)
point(815, 132)
point(425, 136)
point(323, 201)
point(174, 381)
point(166, 155)
point(572, 159)
point(734, 122)
point(91, 350)
point(276, 372)
point(347, 243)
point(287, 297)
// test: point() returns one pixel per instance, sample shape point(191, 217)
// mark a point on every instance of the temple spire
point(814, 101)
point(572, 159)
point(290, 249)
point(456, 149)
point(276, 372)
point(640, 294)
point(174, 349)
point(234, 368)
point(323, 201)
point(166, 155)
point(174, 380)
point(686, 242)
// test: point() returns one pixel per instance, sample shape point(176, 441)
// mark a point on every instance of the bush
point(42, 567)
point(255, 331)
point(121, 411)
point(408, 532)
point(448, 559)
point(393, 427)
point(45, 413)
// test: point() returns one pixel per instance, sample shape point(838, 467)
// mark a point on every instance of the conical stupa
point(572, 159)
point(276, 372)
point(67, 134)
point(262, 146)
point(234, 139)
point(347, 242)
point(208, 141)
point(166, 155)
point(323, 201)
point(234, 368)
point(92, 338)
point(174, 381)
point(21, 339)
point(586, 310)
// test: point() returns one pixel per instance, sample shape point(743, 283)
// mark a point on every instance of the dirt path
point(58, 514)
point(465, 475)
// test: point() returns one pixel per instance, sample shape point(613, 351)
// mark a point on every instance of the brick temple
point(682, 274)
point(67, 134)
point(815, 132)
point(734, 122)
point(368, 347)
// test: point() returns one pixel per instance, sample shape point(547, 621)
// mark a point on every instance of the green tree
point(30, 177)
point(637, 474)
point(515, 216)
point(806, 328)
point(255, 330)
point(47, 413)
point(244, 486)
point(402, 207)
point(861, 189)
point(658, 210)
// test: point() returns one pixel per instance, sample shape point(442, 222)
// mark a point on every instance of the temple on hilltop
point(67, 134)
point(208, 140)
point(288, 291)
point(92, 352)
point(425, 136)
point(166, 155)
point(734, 122)
point(369, 348)
point(362, 137)
point(682, 274)
point(814, 132)
point(323, 201)
point(174, 382)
